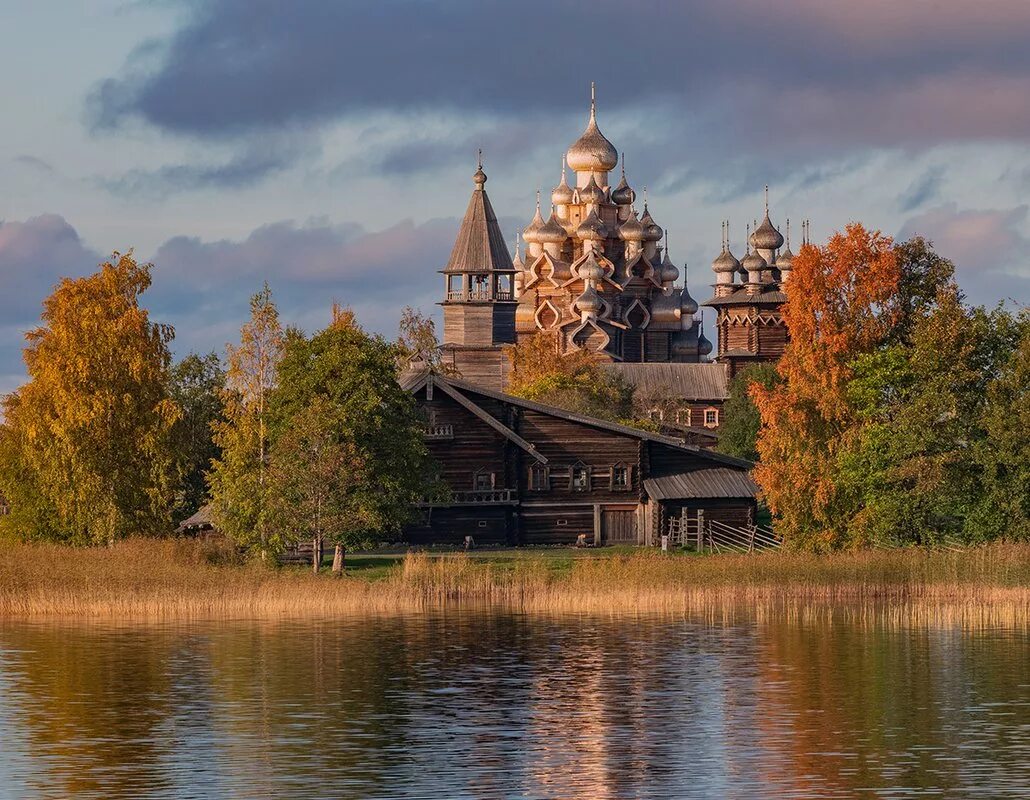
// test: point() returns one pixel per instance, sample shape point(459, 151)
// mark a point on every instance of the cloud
point(34, 255)
point(259, 159)
point(923, 189)
point(879, 71)
point(34, 163)
point(203, 287)
point(987, 246)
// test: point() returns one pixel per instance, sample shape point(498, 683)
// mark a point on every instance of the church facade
point(598, 276)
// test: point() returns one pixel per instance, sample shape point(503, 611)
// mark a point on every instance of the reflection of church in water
point(596, 275)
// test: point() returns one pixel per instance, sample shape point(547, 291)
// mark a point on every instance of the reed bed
point(161, 579)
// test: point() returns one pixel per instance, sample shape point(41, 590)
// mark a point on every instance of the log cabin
point(523, 473)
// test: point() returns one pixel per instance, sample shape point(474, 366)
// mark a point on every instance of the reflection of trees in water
point(91, 715)
point(479, 704)
point(864, 705)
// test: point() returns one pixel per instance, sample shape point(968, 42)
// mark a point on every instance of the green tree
point(572, 381)
point(87, 442)
point(739, 432)
point(197, 386)
point(313, 474)
point(1002, 507)
point(237, 480)
point(365, 420)
point(912, 464)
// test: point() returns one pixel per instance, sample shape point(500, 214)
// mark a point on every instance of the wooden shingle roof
point(480, 245)
point(706, 381)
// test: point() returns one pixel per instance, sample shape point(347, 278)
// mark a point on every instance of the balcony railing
point(483, 497)
point(500, 294)
point(477, 497)
point(439, 432)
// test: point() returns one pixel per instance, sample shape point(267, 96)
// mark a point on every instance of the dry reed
point(148, 579)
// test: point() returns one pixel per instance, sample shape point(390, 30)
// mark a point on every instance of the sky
point(327, 148)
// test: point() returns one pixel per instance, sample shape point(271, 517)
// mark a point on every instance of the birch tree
point(238, 480)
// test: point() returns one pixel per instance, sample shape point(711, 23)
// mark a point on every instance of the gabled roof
point(704, 381)
point(480, 245)
point(464, 387)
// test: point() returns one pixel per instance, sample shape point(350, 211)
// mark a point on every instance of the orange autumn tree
point(840, 304)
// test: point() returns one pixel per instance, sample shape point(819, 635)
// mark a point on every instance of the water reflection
point(467, 704)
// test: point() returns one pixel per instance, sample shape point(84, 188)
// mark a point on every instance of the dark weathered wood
point(495, 440)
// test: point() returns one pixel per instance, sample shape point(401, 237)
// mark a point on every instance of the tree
point(366, 429)
point(238, 477)
point(314, 471)
point(417, 344)
point(573, 381)
point(838, 308)
point(197, 386)
point(738, 434)
point(1003, 504)
point(910, 464)
point(87, 441)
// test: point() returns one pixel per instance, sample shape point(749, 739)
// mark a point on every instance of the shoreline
point(183, 580)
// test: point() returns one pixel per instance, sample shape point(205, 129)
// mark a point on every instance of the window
point(683, 417)
point(539, 479)
point(504, 287)
point(655, 415)
point(480, 289)
point(579, 478)
point(711, 417)
point(620, 477)
point(483, 481)
point(454, 284)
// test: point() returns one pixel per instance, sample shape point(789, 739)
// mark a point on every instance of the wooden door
point(618, 526)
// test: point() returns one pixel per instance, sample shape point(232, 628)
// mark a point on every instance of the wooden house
point(525, 473)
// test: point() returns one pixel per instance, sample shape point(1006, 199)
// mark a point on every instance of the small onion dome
point(652, 230)
point(622, 195)
point(531, 233)
point(688, 305)
point(591, 152)
point(785, 260)
point(479, 177)
point(592, 228)
point(589, 302)
point(766, 237)
point(631, 230)
point(562, 193)
point(552, 232)
point(591, 193)
point(590, 270)
point(704, 347)
point(725, 262)
point(753, 262)
point(670, 273)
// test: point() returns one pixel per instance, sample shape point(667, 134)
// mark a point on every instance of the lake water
point(501, 705)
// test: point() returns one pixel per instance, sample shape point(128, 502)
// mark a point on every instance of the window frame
point(544, 472)
point(579, 465)
point(715, 411)
point(687, 413)
point(480, 472)
point(628, 486)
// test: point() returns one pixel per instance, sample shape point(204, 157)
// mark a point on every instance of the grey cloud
point(987, 246)
point(922, 190)
point(880, 72)
point(34, 163)
point(259, 159)
point(34, 255)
